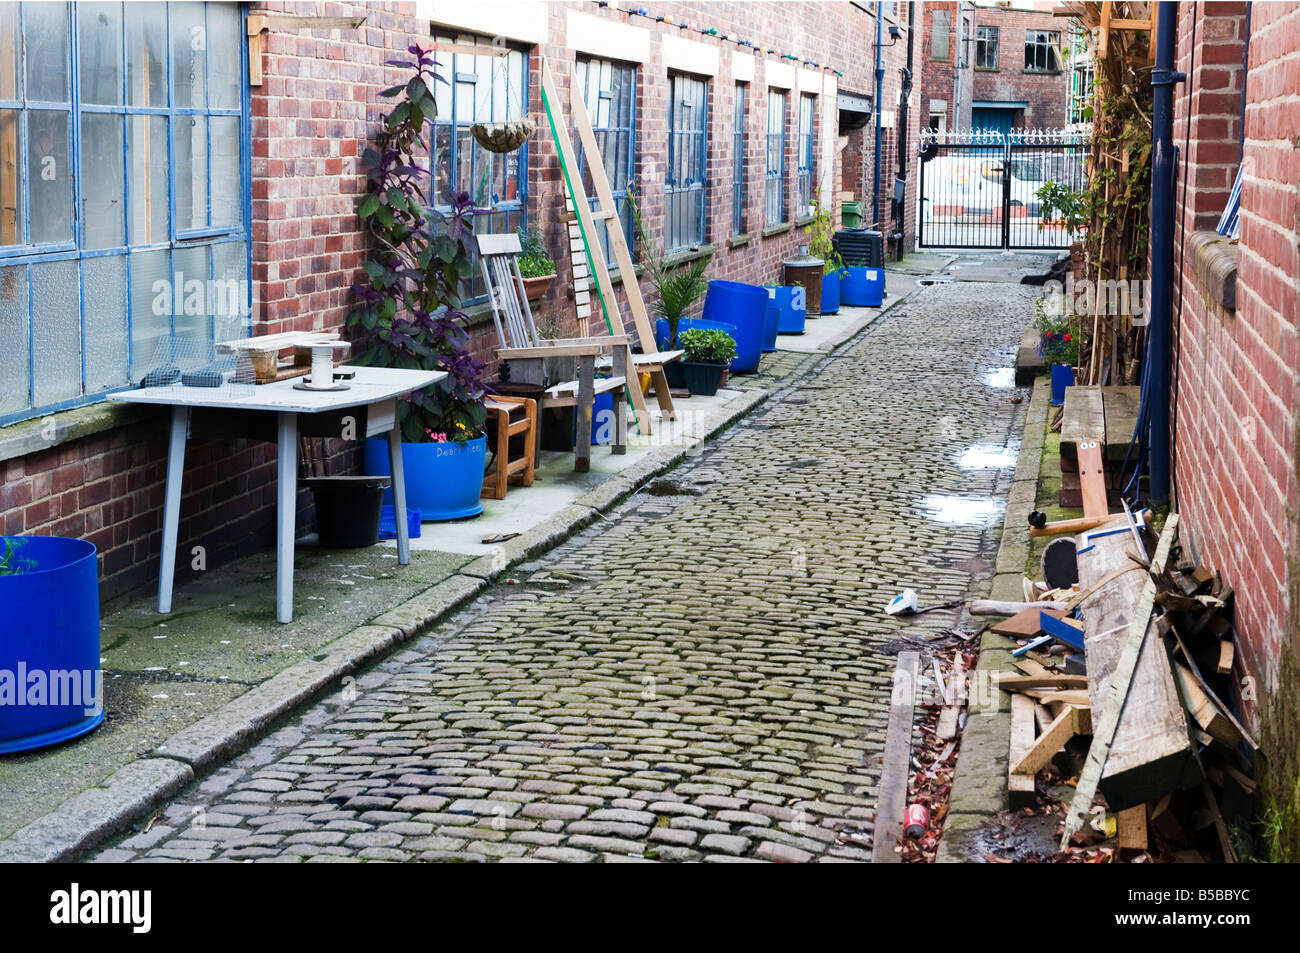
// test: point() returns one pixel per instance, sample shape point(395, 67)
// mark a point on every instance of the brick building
point(188, 172)
point(993, 65)
point(1237, 399)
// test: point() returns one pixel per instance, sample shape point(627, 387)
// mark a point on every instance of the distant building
point(994, 66)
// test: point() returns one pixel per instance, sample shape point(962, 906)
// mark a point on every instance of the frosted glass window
point(152, 303)
point(146, 54)
point(45, 37)
point(189, 56)
point(227, 203)
point(103, 202)
point(99, 28)
point(106, 329)
point(148, 179)
point(56, 331)
point(49, 176)
point(191, 172)
point(14, 374)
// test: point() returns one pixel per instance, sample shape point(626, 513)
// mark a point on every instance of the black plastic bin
point(860, 247)
point(347, 510)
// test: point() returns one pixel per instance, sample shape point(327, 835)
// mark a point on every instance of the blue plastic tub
point(831, 292)
point(443, 480)
point(51, 688)
point(388, 523)
point(1062, 377)
point(745, 308)
point(863, 287)
point(791, 304)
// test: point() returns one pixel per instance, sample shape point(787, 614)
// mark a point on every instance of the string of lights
point(670, 20)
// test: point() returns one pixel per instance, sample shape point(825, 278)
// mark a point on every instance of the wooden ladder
point(589, 257)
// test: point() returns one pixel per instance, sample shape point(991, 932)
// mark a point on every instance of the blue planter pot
point(791, 305)
point(831, 292)
point(443, 480)
point(745, 308)
point(602, 418)
point(1062, 377)
point(863, 287)
point(50, 682)
point(771, 326)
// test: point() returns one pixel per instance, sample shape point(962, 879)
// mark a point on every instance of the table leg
point(286, 513)
point(399, 495)
point(583, 411)
point(172, 505)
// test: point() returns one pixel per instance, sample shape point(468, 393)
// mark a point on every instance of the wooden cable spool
point(502, 137)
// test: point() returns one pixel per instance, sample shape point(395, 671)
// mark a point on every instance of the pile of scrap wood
point(1154, 725)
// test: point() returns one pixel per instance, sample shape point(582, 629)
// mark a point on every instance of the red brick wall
point(1236, 468)
point(936, 76)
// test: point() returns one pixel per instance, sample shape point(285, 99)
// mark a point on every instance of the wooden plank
point(1092, 479)
point(1131, 824)
point(1227, 652)
point(1108, 414)
point(1238, 729)
point(891, 800)
point(1020, 787)
point(1204, 711)
point(1012, 683)
point(954, 698)
point(1140, 736)
point(1035, 758)
point(999, 607)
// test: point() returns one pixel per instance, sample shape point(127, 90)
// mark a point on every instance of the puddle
point(934, 280)
point(672, 488)
point(988, 456)
point(1001, 377)
point(962, 510)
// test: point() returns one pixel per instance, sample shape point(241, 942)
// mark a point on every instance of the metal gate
point(979, 188)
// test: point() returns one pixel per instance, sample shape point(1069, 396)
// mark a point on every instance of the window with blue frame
point(806, 111)
point(688, 146)
point(774, 205)
point(738, 161)
point(609, 94)
point(480, 89)
point(123, 193)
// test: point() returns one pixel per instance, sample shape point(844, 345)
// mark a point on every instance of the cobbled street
point(703, 675)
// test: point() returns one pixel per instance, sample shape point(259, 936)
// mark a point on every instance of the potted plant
point(1061, 344)
point(708, 352)
point(821, 245)
point(535, 265)
point(408, 309)
point(676, 289)
point(1062, 207)
point(49, 588)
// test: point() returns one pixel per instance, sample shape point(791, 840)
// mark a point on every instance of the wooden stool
point(513, 416)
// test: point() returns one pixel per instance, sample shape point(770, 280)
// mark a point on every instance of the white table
point(375, 388)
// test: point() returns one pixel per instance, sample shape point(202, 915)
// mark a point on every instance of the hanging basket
point(503, 136)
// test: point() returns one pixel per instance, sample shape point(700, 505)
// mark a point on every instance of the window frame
point(679, 183)
point(775, 175)
point(806, 158)
point(741, 95)
point(1036, 40)
point(619, 190)
point(515, 210)
point(983, 36)
point(177, 240)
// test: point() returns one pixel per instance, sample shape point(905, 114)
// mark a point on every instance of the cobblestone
point(702, 675)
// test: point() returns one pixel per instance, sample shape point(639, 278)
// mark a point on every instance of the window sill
point(1042, 72)
point(688, 255)
point(988, 69)
point(803, 220)
point(773, 230)
point(64, 426)
point(1215, 261)
point(737, 241)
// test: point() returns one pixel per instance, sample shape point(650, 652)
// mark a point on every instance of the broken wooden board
point(891, 801)
point(1017, 683)
point(1204, 710)
point(1092, 478)
point(1036, 756)
point(1140, 749)
point(1027, 623)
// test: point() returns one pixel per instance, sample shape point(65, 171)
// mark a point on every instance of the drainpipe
point(900, 209)
point(1163, 78)
point(880, 75)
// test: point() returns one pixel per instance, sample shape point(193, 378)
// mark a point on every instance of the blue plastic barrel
point(1062, 377)
point(744, 307)
point(831, 292)
point(863, 287)
point(771, 326)
point(443, 480)
point(49, 642)
point(791, 303)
